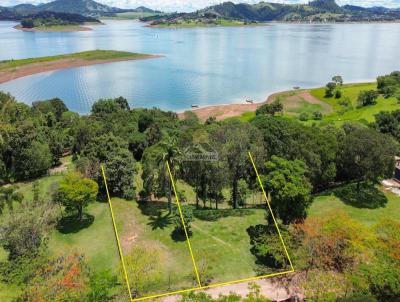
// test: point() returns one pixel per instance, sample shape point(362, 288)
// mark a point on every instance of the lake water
point(201, 66)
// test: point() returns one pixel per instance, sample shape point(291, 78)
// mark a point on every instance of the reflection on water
point(202, 66)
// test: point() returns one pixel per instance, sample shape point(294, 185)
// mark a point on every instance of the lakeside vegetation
point(53, 21)
point(340, 225)
point(190, 23)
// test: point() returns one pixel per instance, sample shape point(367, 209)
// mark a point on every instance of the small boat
point(250, 101)
point(195, 106)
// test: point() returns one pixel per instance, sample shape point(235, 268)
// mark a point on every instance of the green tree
point(105, 107)
point(120, 171)
point(367, 97)
point(233, 140)
point(270, 109)
point(329, 89)
point(365, 154)
point(76, 192)
point(388, 123)
point(55, 106)
point(23, 232)
point(338, 80)
point(290, 190)
point(389, 84)
point(172, 155)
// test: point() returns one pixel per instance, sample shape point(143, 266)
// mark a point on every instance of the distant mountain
point(314, 11)
point(82, 7)
point(143, 9)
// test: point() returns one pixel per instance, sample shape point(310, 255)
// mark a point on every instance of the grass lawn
point(94, 238)
point(352, 112)
point(86, 55)
point(216, 245)
point(368, 207)
point(152, 227)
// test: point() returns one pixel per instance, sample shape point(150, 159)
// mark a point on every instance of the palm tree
point(173, 155)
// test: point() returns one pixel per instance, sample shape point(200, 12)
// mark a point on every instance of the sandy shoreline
point(76, 28)
point(31, 69)
point(221, 112)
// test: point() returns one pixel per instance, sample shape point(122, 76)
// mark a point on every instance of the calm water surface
point(203, 66)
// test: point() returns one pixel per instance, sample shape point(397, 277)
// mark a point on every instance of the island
point(13, 69)
point(56, 22)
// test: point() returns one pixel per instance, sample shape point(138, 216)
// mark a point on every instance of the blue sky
point(185, 5)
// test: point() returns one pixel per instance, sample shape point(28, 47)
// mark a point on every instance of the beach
point(10, 74)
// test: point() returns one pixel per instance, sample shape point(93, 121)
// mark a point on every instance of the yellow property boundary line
point(200, 287)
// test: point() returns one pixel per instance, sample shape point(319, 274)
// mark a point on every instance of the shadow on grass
point(160, 221)
point(368, 196)
point(152, 208)
point(72, 224)
point(178, 235)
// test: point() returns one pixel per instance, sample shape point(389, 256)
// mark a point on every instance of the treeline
point(53, 19)
point(34, 138)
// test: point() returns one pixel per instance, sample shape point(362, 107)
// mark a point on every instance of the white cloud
point(187, 5)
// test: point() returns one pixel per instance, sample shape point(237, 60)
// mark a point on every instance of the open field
point(368, 207)
point(13, 69)
point(351, 112)
point(214, 243)
point(297, 102)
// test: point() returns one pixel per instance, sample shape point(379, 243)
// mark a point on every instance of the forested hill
point(82, 7)
point(314, 11)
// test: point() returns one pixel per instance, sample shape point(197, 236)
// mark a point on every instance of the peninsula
point(13, 69)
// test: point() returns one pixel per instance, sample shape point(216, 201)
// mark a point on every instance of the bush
point(338, 94)
point(213, 215)
point(330, 87)
point(187, 213)
point(317, 115)
point(303, 117)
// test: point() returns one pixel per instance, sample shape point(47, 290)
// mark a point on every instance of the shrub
point(317, 115)
point(330, 87)
point(303, 117)
point(338, 94)
point(213, 215)
point(187, 213)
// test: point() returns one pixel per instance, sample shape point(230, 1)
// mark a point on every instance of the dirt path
point(270, 288)
point(23, 71)
point(212, 236)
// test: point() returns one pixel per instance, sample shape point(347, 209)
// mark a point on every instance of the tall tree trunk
point(197, 199)
point(234, 193)
point(169, 197)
